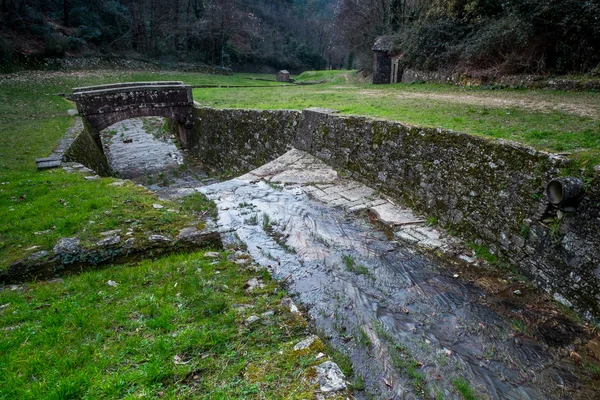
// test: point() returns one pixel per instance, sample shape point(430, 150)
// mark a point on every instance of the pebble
point(67, 246)
point(159, 239)
point(306, 343)
point(253, 284)
point(287, 302)
point(251, 320)
point(110, 233)
point(109, 241)
point(112, 283)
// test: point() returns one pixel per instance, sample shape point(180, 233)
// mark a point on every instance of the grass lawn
point(171, 328)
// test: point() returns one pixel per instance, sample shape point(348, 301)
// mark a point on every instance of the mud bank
point(491, 193)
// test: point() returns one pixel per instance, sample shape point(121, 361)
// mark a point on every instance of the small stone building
point(283, 76)
point(387, 66)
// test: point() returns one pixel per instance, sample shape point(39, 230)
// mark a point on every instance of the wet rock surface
point(144, 151)
point(381, 299)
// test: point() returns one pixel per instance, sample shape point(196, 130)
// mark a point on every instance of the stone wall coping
point(126, 84)
point(101, 92)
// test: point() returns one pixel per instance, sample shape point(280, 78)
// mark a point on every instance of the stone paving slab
point(321, 182)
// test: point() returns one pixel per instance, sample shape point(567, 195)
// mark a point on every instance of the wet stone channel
point(391, 299)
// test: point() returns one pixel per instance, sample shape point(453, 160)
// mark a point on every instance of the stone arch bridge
point(104, 105)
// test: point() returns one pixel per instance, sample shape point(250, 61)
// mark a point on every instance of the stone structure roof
point(383, 43)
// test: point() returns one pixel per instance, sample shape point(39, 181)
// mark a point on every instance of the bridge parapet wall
point(105, 105)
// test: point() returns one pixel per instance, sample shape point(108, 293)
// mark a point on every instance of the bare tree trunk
point(176, 44)
point(187, 27)
point(67, 12)
point(134, 25)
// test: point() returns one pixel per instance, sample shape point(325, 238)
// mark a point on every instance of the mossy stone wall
point(241, 140)
point(87, 150)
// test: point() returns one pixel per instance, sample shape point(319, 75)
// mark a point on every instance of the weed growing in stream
point(464, 389)
point(252, 220)
point(354, 267)
point(266, 222)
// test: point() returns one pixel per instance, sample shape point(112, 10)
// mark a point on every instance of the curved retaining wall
point(82, 145)
point(491, 192)
point(241, 140)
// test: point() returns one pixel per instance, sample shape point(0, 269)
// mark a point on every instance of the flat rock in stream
point(391, 215)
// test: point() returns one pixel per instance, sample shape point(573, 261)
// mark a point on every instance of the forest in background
point(496, 36)
point(245, 35)
point(493, 36)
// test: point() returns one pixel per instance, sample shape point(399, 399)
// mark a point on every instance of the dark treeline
point(499, 36)
point(503, 36)
point(245, 33)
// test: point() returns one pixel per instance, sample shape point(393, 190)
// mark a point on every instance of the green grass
point(170, 329)
point(40, 208)
point(60, 204)
point(464, 389)
point(354, 267)
point(483, 252)
point(410, 367)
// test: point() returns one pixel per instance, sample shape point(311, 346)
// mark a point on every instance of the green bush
point(512, 36)
point(434, 43)
point(504, 43)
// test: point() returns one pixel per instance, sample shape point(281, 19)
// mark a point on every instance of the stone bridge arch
point(104, 105)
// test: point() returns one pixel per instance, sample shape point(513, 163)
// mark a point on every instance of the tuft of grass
point(252, 220)
point(405, 363)
point(169, 328)
point(432, 221)
point(363, 339)
point(199, 205)
point(266, 222)
point(483, 252)
point(464, 389)
point(275, 186)
point(354, 267)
